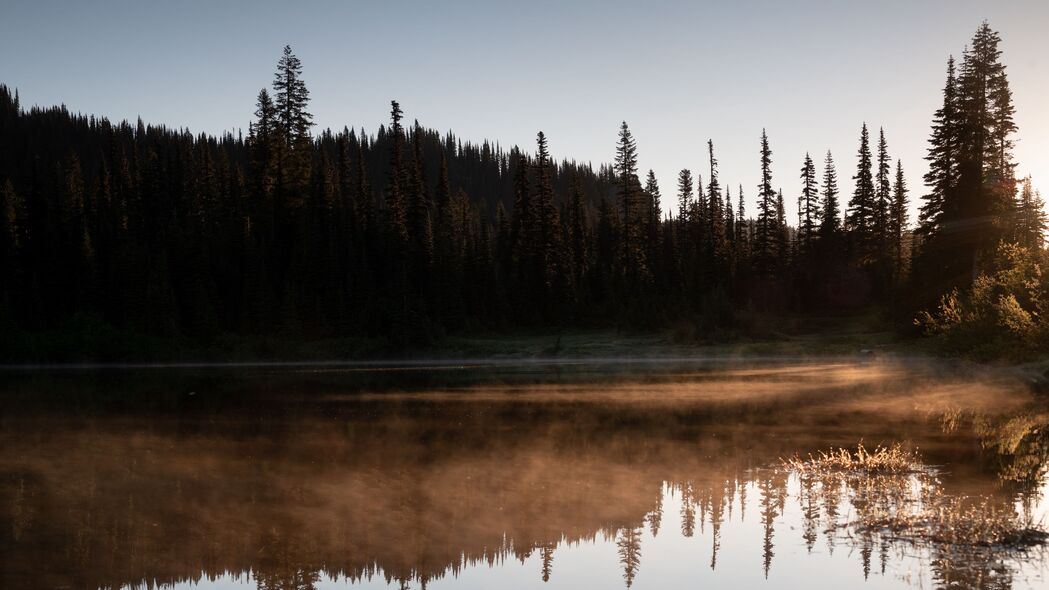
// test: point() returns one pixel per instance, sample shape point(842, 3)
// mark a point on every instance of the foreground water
point(603, 476)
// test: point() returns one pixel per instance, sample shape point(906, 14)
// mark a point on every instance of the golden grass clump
point(882, 460)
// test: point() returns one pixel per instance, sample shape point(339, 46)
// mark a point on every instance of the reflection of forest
point(294, 478)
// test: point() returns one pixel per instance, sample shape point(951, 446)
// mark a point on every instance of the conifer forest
point(468, 295)
point(411, 234)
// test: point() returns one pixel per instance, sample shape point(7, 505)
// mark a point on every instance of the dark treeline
point(411, 234)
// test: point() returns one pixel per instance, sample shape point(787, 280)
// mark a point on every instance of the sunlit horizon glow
point(809, 72)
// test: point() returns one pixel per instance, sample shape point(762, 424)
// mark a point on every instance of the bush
point(1004, 312)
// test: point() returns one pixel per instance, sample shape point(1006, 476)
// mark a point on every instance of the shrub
point(1002, 314)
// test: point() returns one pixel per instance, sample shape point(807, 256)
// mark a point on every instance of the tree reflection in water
point(289, 479)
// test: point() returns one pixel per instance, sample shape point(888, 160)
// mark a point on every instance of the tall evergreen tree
point(653, 233)
point(685, 185)
point(395, 199)
point(655, 207)
point(291, 99)
point(898, 219)
point(765, 234)
point(742, 237)
point(972, 186)
point(549, 225)
point(262, 135)
point(830, 214)
point(883, 194)
point(781, 235)
point(716, 248)
point(730, 220)
point(631, 203)
point(1031, 219)
point(861, 219)
point(808, 206)
point(942, 157)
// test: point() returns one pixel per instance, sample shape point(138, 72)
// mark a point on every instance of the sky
point(679, 73)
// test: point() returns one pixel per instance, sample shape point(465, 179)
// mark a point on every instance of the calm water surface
point(601, 476)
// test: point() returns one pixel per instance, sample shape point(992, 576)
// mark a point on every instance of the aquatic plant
point(895, 495)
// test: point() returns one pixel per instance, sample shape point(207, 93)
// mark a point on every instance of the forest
point(410, 235)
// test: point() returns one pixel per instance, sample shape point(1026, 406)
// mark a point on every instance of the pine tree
point(730, 220)
point(1031, 219)
point(716, 244)
point(830, 215)
point(685, 185)
point(631, 209)
point(262, 135)
point(742, 237)
point(862, 214)
point(655, 211)
point(986, 184)
point(808, 206)
point(781, 236)
point(396, 218)
point(766, 230)
point(653, 235)
point(942, 157)
point(883, 194)
point(972, 197)
point(898, 219)
point(293, 123)
point(549, 224)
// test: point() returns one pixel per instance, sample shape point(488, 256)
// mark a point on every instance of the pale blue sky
point(678, 72)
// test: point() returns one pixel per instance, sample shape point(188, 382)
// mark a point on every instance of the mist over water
point(600, 475)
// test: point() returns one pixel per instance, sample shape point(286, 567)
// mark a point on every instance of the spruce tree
point(685, 185)
point(830, 212)
point(942, 157)
point(781, 235)
point(861, 219)
point(972, 197)
point(730, 220)
point(765, 232)
point(883, 194)
point(262, 135)
point(1031, 219)
point(652, 190)
point(742, 234)
point(395, 201)
point(898, 219)
point(986, 184)
point(291, 99)
point(630, 198)
point(715, 229)
point(549, 225)
point(808, 206)
point(653, 235)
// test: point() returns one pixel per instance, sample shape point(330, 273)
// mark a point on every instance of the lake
point(522, 475)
